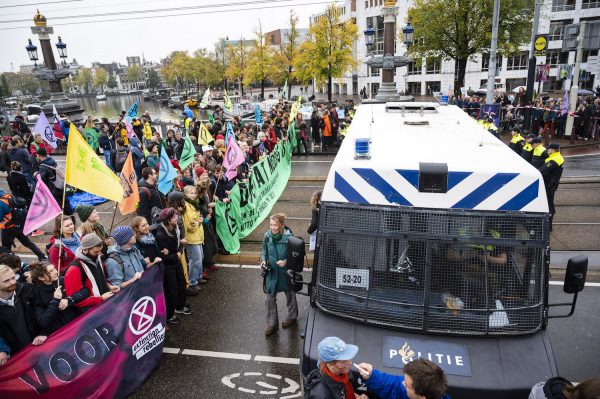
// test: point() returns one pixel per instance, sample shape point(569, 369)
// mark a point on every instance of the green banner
point(252, 202)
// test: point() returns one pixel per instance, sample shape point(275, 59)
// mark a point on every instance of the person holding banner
point(145, 241)
point(125, 263)
point(65, 236)
point(87, 272)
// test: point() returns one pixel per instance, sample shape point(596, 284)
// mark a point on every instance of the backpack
point(120, 158)
point(117, 258)
point(57, 178)
point(18, 211)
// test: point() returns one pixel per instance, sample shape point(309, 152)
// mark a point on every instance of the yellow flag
point(87, 172)
point(131, 195)
point(295, 108)
point(205, 137)
point(227, 105)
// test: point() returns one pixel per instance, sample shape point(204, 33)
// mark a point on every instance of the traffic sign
point(540, 45)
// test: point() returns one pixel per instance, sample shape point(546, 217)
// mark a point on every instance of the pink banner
point(43, 208)
point(234, 156)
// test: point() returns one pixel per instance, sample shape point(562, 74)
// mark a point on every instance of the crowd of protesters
point(86, 263)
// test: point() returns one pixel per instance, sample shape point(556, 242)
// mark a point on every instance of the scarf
point(195, 203)
point(72, 243)
point(148, 239)
point(340, 379)
point(99, 230)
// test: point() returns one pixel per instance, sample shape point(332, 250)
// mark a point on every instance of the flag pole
point(62, 217)
point(113, 218)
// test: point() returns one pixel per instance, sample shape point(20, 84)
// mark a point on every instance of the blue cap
point(333, 348)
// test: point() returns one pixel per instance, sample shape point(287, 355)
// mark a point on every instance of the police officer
point(551, 171)
point(539, 153)
point(527, 151)
point(517, 142)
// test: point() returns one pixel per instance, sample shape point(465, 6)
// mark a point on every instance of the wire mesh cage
point(443, 271)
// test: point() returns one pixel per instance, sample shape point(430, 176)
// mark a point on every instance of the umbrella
point(516, 89)
point(585, 92)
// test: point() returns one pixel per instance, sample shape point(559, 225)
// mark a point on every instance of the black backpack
point(120, 158)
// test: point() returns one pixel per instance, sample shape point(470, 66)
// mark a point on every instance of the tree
point(84, 79)
point(204, 69)
point(153, 79)
point(178, 70)
point(237, 56)
point(221, 59)
point(25, 83)
point(4, 88)
point(134, 73)
point(460, 29)
point(287, 53)
point(259, 67)
point(328, 53)
point(100, 79)
point(112, 82)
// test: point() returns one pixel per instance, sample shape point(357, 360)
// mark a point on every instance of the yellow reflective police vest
point(527, 147)
point(539, 150)
point(516, 139)
point(556, 157)
point(494, 233)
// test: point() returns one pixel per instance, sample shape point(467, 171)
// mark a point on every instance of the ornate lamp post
point(389, 62)
point(369, 41)
point(50, 71)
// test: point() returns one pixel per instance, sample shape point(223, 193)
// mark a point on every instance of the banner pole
point(62, 217)
point(113, 218)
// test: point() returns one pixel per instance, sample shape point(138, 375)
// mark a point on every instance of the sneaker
point(191, 291)
point(174, 320)
point(205, 276)
point(186, 311)
point(195, 287)
point(37, 233)
point(288, 322)
point(270, 330)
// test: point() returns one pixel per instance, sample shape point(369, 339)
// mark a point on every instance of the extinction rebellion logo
point(140, 321)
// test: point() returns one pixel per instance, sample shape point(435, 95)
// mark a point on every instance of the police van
point(433, 242)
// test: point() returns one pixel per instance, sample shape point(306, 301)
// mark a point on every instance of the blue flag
point(257, 114)
point(132, 111)
point(229, 133)
point(166, 173)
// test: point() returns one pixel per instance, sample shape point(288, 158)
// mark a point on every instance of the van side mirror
point(576, 274)
point(574, 282)
point(296, 251)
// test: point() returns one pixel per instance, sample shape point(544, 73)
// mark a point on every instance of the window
point(557, 29)
point(413, 68)
point(563, 5)
point(587, 53)
point(557, 57)
point(517, 62)
point(485, 62)
point(434, 65)
point(590, 4)
point(375, 71)
point(377, 24)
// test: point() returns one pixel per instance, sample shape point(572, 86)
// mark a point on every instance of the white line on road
point(171, 351)
point(270, 359)
point(586, 284)
point(331, 161)
point(221, 355)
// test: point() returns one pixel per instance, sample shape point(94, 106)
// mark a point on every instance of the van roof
point(483, 173)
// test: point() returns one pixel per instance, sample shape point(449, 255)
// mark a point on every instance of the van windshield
point(445, 271)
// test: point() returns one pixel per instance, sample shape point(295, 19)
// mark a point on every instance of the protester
point(53, 309)
point(106, 141)
point(20, 154)
point(38, 143)
point(333, 379)
point(422, 379)
point(17, 182)
point(17, 319)
point(119, 156)
point(274, 260)
point(53, 178)
point(170, 245)
point(88, 213)
point(64, 233)
point(145, 241)
point(87, 271)
point(20, 269)
point(561, 388)
point(194, 235)
point(151, 200)
point(125, 263)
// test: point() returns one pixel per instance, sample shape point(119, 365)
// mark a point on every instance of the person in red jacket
point(38, 142)
point(70, 243)
point(87, 272)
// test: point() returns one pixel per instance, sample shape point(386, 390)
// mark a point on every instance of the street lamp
point(370, 42)
point(408, 34)
point(32, 52)
point(62, 49)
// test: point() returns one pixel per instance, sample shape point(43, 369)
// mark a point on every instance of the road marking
point(292, 387)
point(283, 360)
point(221, 355)
point(250, 266)
point(171, 351)
point(331, 161)
point(576, 224)
point(586, 284)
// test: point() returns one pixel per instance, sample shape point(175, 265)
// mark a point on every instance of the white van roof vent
point(411, 107)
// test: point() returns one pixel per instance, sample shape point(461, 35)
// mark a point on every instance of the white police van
point(433, 242)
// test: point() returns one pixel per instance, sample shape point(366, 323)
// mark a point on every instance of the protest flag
point(42, 127)
point(129, 128)
point(58, 133)
point(131, 195)
point(86, 171)
point(43, 208)
point(205, 137)
point(257, 114)
point(295, 108)
point(205, 99)
point(211, 118)
point(234, 156)
point(132, 111)
point(227, 104)
point(188, 152)
point(229, 132)
point(284, 91)
point(166, 173)
point(565, 103)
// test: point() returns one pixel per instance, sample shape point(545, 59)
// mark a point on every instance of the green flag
point(187, 155)
point(211, 118)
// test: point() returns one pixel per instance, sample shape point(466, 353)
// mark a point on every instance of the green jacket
point(277, 276)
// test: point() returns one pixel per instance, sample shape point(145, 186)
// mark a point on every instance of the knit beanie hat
point(166, 214)
point(84, 212)
point(175, 196)
point(122, 235)
point(90, 241)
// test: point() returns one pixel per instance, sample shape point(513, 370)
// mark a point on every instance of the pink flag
point(43, 208)
point(234, 156)
point(129, 128)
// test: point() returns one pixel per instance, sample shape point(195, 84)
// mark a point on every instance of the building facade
point(426, 78)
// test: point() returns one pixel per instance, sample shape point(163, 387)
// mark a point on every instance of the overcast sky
point(93, 33)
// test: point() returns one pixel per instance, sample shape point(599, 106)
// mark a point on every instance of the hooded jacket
point(132, 262)
point(274, 250)
point(170, 241)
point(17, 323)
point(192, 221)
point(47, 315)
point(76, 279)
point(149, 198)
point(319, 386)
point(22, 156)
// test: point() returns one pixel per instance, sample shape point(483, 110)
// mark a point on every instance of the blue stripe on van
point(411, 176)
point(522, 199)
point(347, 191)
point(485, 191)
point(379, 183)
point(456, 177)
